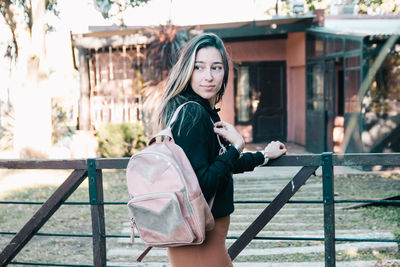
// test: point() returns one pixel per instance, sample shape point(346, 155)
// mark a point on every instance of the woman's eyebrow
point(202, 62)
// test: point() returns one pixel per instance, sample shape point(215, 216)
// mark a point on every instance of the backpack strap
point(176, 113)
point(175, 116)
point(144, 253)
point(167, 131)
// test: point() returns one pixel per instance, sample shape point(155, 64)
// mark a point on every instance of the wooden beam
point(364, 159)
point(64, 164)
point(112, 163)
point(42, 216)
point(351, 159)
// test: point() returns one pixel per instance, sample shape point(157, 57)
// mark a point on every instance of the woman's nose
point(208, 75)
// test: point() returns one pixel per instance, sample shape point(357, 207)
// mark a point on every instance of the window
point(334, 45)
point(352, 45)
point(315, 97)
point(314, 46)
point(243, 95)
point(352, 87)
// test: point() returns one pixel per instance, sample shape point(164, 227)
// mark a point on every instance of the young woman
point(201, 75)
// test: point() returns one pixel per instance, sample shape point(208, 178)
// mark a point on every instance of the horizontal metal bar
point(366, 240)
point(367, 201)
point(64, 235)
point(289, 238)
point(63, 164)
point(120, 236)
point(114, 203)
point(50, 234)
point(237, 202)
point(282, 238)
point(41, 203)
point(366, 159)
point(269, 201)
point(48, 264)
point(236, 237)
point(8, 233)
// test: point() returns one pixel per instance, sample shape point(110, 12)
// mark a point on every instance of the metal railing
point(92, 168)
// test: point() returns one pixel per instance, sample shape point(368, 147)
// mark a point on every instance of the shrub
point(60, 120)
point(120, 139)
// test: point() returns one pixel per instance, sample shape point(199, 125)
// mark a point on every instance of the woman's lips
point(208, 87)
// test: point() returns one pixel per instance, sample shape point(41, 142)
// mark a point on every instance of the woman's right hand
point(229, 133)
point(275, 149)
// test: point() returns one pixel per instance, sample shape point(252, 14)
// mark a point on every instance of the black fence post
point(329, 209)
point(97, 211)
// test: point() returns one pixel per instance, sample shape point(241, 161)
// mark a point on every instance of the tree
point(379, 7)
point(115, 8)
point(26, 23)
point(27, 26)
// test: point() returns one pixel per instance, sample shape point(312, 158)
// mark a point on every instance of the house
point(294, 79)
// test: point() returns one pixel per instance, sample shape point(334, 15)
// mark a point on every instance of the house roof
point(114, 38)
point(351, 25)
point(361, 25)
point(103, 36)
point(260, 29)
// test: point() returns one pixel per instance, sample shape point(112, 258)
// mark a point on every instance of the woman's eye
point(217, 67)
point(198, 67)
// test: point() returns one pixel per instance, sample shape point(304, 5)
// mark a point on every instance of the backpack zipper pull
point(132, 230)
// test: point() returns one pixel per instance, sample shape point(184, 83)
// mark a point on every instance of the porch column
point(84, 99)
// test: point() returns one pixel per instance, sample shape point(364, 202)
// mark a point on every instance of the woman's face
point(208, 73)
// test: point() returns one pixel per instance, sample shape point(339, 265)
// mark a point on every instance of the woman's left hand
point(229, 133)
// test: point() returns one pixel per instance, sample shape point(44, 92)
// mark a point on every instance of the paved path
point(294, 220)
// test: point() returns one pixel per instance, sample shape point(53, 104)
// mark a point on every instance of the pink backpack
point(167, 206)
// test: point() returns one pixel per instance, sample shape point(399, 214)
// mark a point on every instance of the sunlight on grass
point(15, 180)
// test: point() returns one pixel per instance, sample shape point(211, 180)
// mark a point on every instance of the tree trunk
point(32, 102)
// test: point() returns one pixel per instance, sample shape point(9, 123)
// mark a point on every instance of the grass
point(77, 219)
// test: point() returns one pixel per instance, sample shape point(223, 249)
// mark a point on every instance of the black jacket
point(214, 171)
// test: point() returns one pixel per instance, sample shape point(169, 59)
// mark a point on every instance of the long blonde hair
point(179, 77)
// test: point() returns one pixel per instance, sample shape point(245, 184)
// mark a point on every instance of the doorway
point(260, 99)
point(325, 105)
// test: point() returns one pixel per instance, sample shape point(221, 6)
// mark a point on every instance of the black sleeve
point(195, 138)
point(248, 161)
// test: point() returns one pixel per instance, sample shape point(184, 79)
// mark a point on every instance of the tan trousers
point(212, 253)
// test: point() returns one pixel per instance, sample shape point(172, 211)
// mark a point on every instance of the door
point(315, 108)
point(330, 103)
point(270, 117)
point(260, 99)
